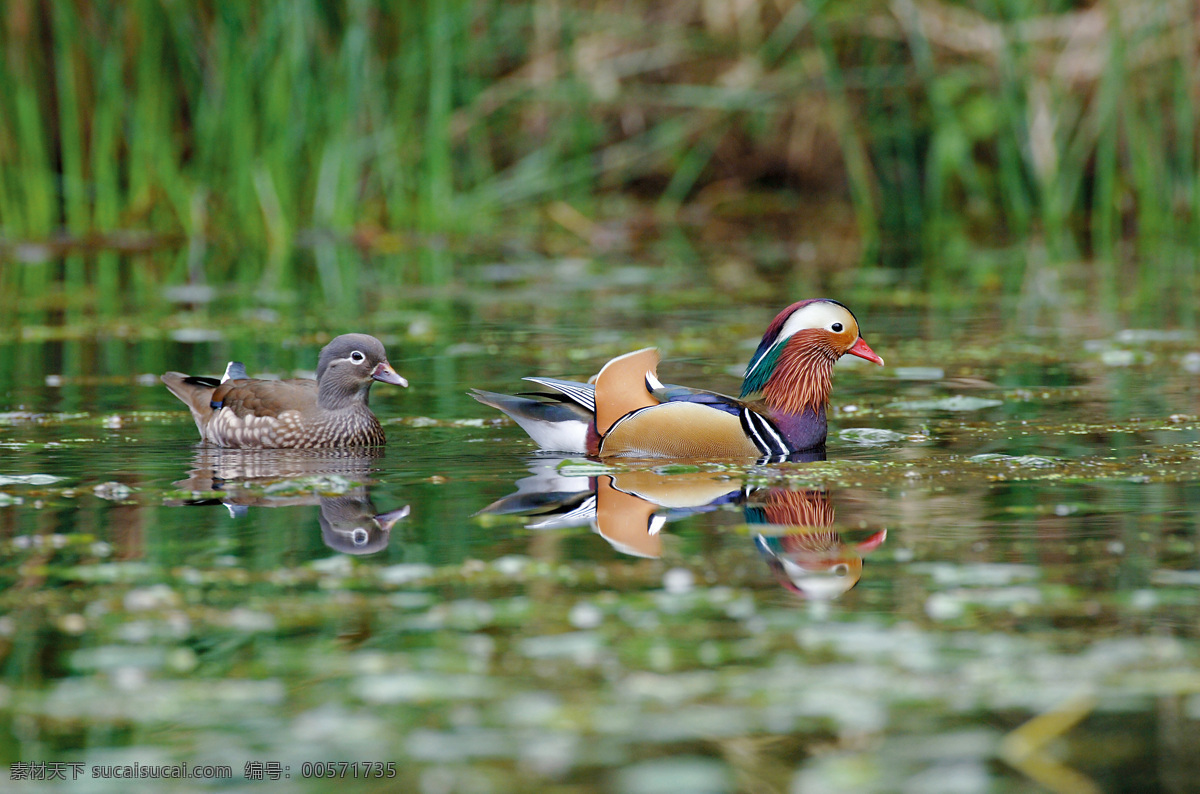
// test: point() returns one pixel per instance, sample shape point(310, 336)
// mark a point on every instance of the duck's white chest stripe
point(763, 433)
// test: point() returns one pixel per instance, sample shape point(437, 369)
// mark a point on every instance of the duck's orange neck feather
point(803, 374)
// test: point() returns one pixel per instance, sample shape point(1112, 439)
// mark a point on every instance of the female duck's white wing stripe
point(235, 370)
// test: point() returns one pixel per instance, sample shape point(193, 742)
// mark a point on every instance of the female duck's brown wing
point(263, 413)
point(267, 398)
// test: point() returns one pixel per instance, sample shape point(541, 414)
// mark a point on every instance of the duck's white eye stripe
point(357, 357)
point(814, 315)
point(823, 315)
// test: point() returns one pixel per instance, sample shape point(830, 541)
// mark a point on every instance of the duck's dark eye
point(836, 328)
point(357, 357)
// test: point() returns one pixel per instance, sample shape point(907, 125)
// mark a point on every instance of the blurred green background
point(981, 148)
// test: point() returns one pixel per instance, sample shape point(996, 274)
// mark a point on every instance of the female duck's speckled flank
point(625, 411)
point(328, 412)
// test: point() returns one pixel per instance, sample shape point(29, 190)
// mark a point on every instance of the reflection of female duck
point(349, 523)
point(221, 469)
point(245, 478)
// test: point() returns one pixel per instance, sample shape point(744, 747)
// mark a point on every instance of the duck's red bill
point(863, 350)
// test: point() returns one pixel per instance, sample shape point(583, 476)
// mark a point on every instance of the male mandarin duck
point(325, 413)
point(626, 412)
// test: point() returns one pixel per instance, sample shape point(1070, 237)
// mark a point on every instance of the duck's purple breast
point(803, 431)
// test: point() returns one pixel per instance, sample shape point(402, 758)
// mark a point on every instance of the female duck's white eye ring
point(357, 357)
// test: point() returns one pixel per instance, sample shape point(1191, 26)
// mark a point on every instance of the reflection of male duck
point(793, 529)
point(628, 509)
point(632, 507)
point(245, 478)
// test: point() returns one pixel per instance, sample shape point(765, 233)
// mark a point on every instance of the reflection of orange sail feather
point(626, 520)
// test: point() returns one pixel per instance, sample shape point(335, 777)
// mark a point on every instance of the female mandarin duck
point(328, 412)
point(626, 412)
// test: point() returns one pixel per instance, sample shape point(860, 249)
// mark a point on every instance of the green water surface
point(990, 585)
